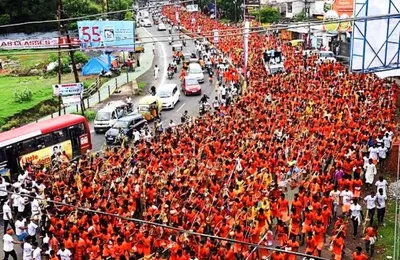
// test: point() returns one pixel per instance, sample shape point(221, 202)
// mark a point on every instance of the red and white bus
point(38, 143)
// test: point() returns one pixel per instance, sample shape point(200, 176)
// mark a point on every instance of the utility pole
point(59, 54)
point(71, 54)
point(307, 13)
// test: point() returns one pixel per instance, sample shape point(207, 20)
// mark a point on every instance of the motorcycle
point(177, 60)
point(129, 107)
point(170, 74)
point(204, 108)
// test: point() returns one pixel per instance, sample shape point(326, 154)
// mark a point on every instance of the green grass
point(41, 89)
point(141, 85)
point(384, 245)
point(28, 60)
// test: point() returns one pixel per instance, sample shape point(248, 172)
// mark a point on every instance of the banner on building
point(37, 43)
point(67, 89)
point(107, 35)
point(46, 155)
point(338, 9)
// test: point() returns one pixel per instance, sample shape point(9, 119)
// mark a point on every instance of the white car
point(196, 72)
point(162, 27)
point(145, 22)
point(169, 95)
point(326, 56)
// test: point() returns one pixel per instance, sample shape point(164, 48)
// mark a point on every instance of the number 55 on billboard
point(107, 35)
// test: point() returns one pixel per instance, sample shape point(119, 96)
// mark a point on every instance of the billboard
point(107, 35)
point(46, 155)
point(338, 9)
point(67, 89)
point(192, 8)
point(375, 42)
point(37, 43)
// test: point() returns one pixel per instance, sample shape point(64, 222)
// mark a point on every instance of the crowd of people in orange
point(304, 134)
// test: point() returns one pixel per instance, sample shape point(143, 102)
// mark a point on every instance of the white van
point(196, 72)
point(106, 117)
point(169, 95)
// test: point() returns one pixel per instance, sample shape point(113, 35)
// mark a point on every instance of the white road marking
point(164, 74)
point(180, 107)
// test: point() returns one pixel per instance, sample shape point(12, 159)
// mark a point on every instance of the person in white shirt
point(335, 195)
point(370, 200)
point(37, 252)
point(370, 172)
point(156, 71)
point(382, 152)
point(7, 216)
point(22, 202)
point(8, 245)
point(35, 208)
point(387, 141)
point(381, 205)
point(64, 253)
point(32, 228)
point(20, 228)
point(27, 250)
point(346, 195)
point(373, 153)
point(381, 184)
point(356, 215)
point(3, 190)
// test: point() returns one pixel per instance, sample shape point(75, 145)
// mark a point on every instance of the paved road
point(163, 57)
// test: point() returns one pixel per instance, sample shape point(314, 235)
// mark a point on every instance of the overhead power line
point(254, 31)
point(82, 17)
point(146, 222)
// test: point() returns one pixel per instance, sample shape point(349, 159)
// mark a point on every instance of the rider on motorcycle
point(153, 90)
point(204, 99)
point(129, 103)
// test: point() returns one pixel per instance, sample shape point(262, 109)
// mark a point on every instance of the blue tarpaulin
point(97, 64)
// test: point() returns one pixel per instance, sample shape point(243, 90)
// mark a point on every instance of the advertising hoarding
point(46, 155)
point(107, 35)
point(37, 43)
point(71, 100)
point(335, 9)
point(67, 89)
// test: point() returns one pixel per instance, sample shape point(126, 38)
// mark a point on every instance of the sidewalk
point(109, 87)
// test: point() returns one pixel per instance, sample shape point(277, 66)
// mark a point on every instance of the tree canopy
point(18, 11)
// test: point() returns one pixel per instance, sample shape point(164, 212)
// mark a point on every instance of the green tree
point(268, 15)
point(230, 9)
point(128, 16)
point(300, 16)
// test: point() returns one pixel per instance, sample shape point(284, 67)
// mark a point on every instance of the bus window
point(59, 136)
point(29, 145)
point(45, 140)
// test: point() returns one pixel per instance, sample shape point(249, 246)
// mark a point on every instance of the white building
point(293, 7)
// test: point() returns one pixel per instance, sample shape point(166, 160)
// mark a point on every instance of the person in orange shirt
point(277, 255)
point(358, 255)
point(311, 244)
point(293, 247)
point(319, 235)
point(338, 246)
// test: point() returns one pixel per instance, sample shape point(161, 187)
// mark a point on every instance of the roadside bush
point(46, 109)
point(89, 114)
point(80, 57)
point(23, 96)
point(53, 57)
